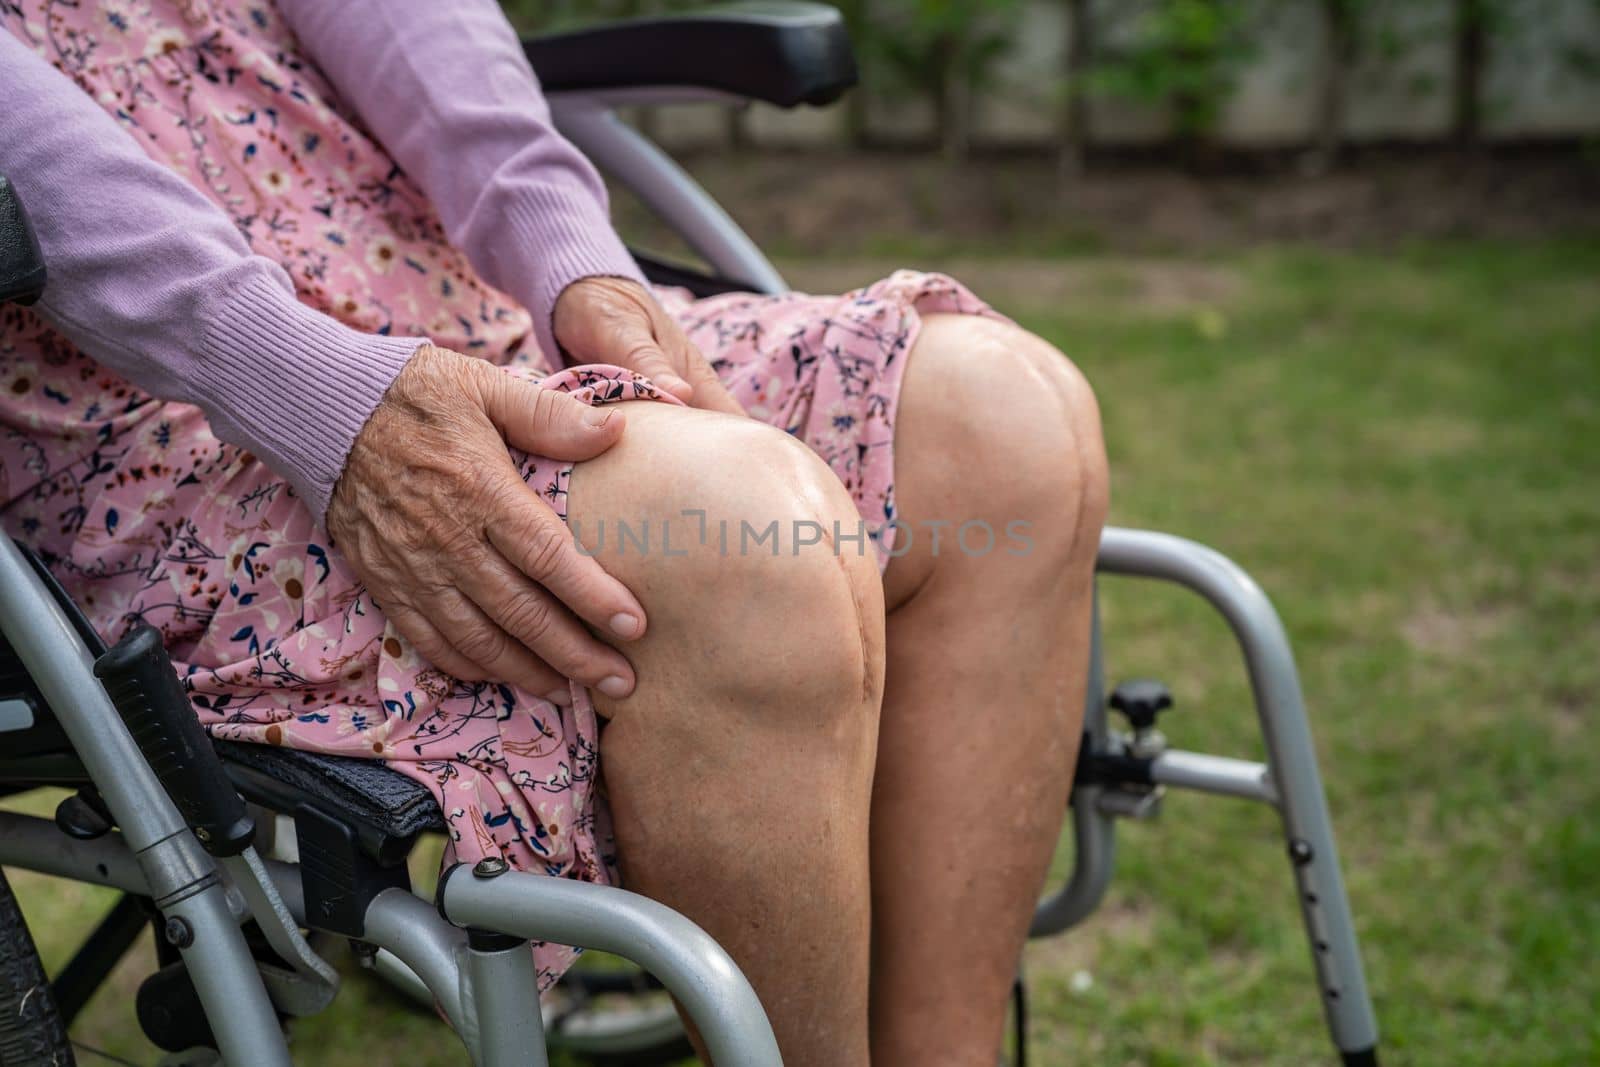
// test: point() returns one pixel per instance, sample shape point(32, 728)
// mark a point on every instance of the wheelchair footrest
point(170, 1012)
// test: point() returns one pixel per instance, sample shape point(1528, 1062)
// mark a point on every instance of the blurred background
point(1330, 120)
point(1334, 269)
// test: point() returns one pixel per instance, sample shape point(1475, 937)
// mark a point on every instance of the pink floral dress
point(146, 517)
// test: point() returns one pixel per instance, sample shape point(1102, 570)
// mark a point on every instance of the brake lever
point(139, 677)
point(313, 983)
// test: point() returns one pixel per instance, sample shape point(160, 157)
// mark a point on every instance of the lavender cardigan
point(153, 281)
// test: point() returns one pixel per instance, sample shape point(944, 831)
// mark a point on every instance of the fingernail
point(624, 625)
point(598, 417)
point(614, 686)
point(562, 696)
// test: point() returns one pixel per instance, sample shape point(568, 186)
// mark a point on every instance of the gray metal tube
point(693, 967)
point(30, 843)
point(408, 927)
point(181, 877)
point(61, 666)
point(231, 992)
point(505, 992)
point(411, 929)
point(1215, 774)
point(398, 973)
point(1094, 832)
point(405, 926)
point(1302, 805)
point(666, 188)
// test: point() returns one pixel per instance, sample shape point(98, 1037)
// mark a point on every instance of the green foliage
point(1183, 54)
point(943, 51)
point(925, 43)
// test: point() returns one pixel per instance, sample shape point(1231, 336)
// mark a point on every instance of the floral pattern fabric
point(146, 517)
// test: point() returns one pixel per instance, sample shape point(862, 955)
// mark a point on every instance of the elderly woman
point(339, 353)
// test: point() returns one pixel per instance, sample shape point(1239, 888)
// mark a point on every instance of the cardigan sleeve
point(447, 90)
point(152, 280)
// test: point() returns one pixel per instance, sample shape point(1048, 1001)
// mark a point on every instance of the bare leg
point(740, 771)
point(986, 668)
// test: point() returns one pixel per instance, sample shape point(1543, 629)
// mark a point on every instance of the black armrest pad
point(21, 262)
point(785, 53)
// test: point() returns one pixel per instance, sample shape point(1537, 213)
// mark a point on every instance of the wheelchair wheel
point(615, 1018)
point(31, 1030)
point(623, 1018)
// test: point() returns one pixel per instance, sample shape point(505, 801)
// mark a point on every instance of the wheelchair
point(243, 858)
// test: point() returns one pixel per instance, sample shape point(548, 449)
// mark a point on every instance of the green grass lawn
point(1404, 448)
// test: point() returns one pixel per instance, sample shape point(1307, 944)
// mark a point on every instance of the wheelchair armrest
point(785, 53)
point(21, 262)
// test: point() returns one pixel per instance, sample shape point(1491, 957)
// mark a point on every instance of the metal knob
point(1141, 700)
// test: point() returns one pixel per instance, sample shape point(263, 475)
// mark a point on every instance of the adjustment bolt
point(179, 933)
point(489, 867)
point(1300, 852)
point(1141, 700)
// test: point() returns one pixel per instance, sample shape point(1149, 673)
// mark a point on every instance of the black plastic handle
point(143, 685)
point(21, 262)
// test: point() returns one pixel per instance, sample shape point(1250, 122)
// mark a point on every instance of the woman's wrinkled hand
point(615, 320)
point(462, 556)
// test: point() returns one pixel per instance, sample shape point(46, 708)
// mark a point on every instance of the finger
point(538, 544)
point(548, 422)
point(496, 655)
point(536, 619)
point(638, 350)
point(431, 644)
point(708, 391)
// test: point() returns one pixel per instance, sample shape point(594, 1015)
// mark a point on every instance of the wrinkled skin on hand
point(615, 320)
point(467, 561)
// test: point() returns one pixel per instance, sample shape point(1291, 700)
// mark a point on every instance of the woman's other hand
point(615, 320)
point(468, 562)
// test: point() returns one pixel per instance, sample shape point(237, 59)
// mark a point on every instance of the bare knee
point(998, 425)
point(741, 546)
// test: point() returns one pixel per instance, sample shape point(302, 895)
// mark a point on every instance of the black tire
point(31, 1031)
point(665, 1055)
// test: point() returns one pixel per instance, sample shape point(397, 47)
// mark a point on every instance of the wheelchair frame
point(471, 957)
